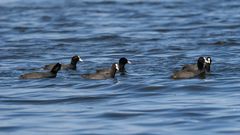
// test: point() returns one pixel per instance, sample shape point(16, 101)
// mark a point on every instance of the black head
point(201, 63)
point(208, 62)
point(123, 61)
point(56, 68)
point(75, 59)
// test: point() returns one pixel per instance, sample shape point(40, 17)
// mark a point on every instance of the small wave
point(120, 115)
point(57, 101)
point(9, 129)
point(103, 37)
point(227, 42)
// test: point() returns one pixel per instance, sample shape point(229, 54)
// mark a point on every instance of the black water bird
point(100, 76)
point(121, 64)
point(38, 75)
point(194, 67)
point(71, 66)
point(185, 74)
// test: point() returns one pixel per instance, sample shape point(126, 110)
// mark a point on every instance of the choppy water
point(157, 36)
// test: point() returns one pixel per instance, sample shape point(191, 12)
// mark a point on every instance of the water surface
point(157, 36)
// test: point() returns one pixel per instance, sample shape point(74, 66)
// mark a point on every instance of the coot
point(38, 75)
point(121, 64)
point(100, 76)
point(71, 66)
point(194, 67)
point(185, 74)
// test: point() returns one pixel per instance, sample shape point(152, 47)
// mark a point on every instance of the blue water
point(158, 37)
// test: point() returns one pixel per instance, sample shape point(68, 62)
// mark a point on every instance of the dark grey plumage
point(194, 67)
point(121, 64)
point(71, 66)
point(100, 76)
point(38, 75)
point(185, 74)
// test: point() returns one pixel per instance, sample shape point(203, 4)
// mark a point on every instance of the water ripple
point(158, 37)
